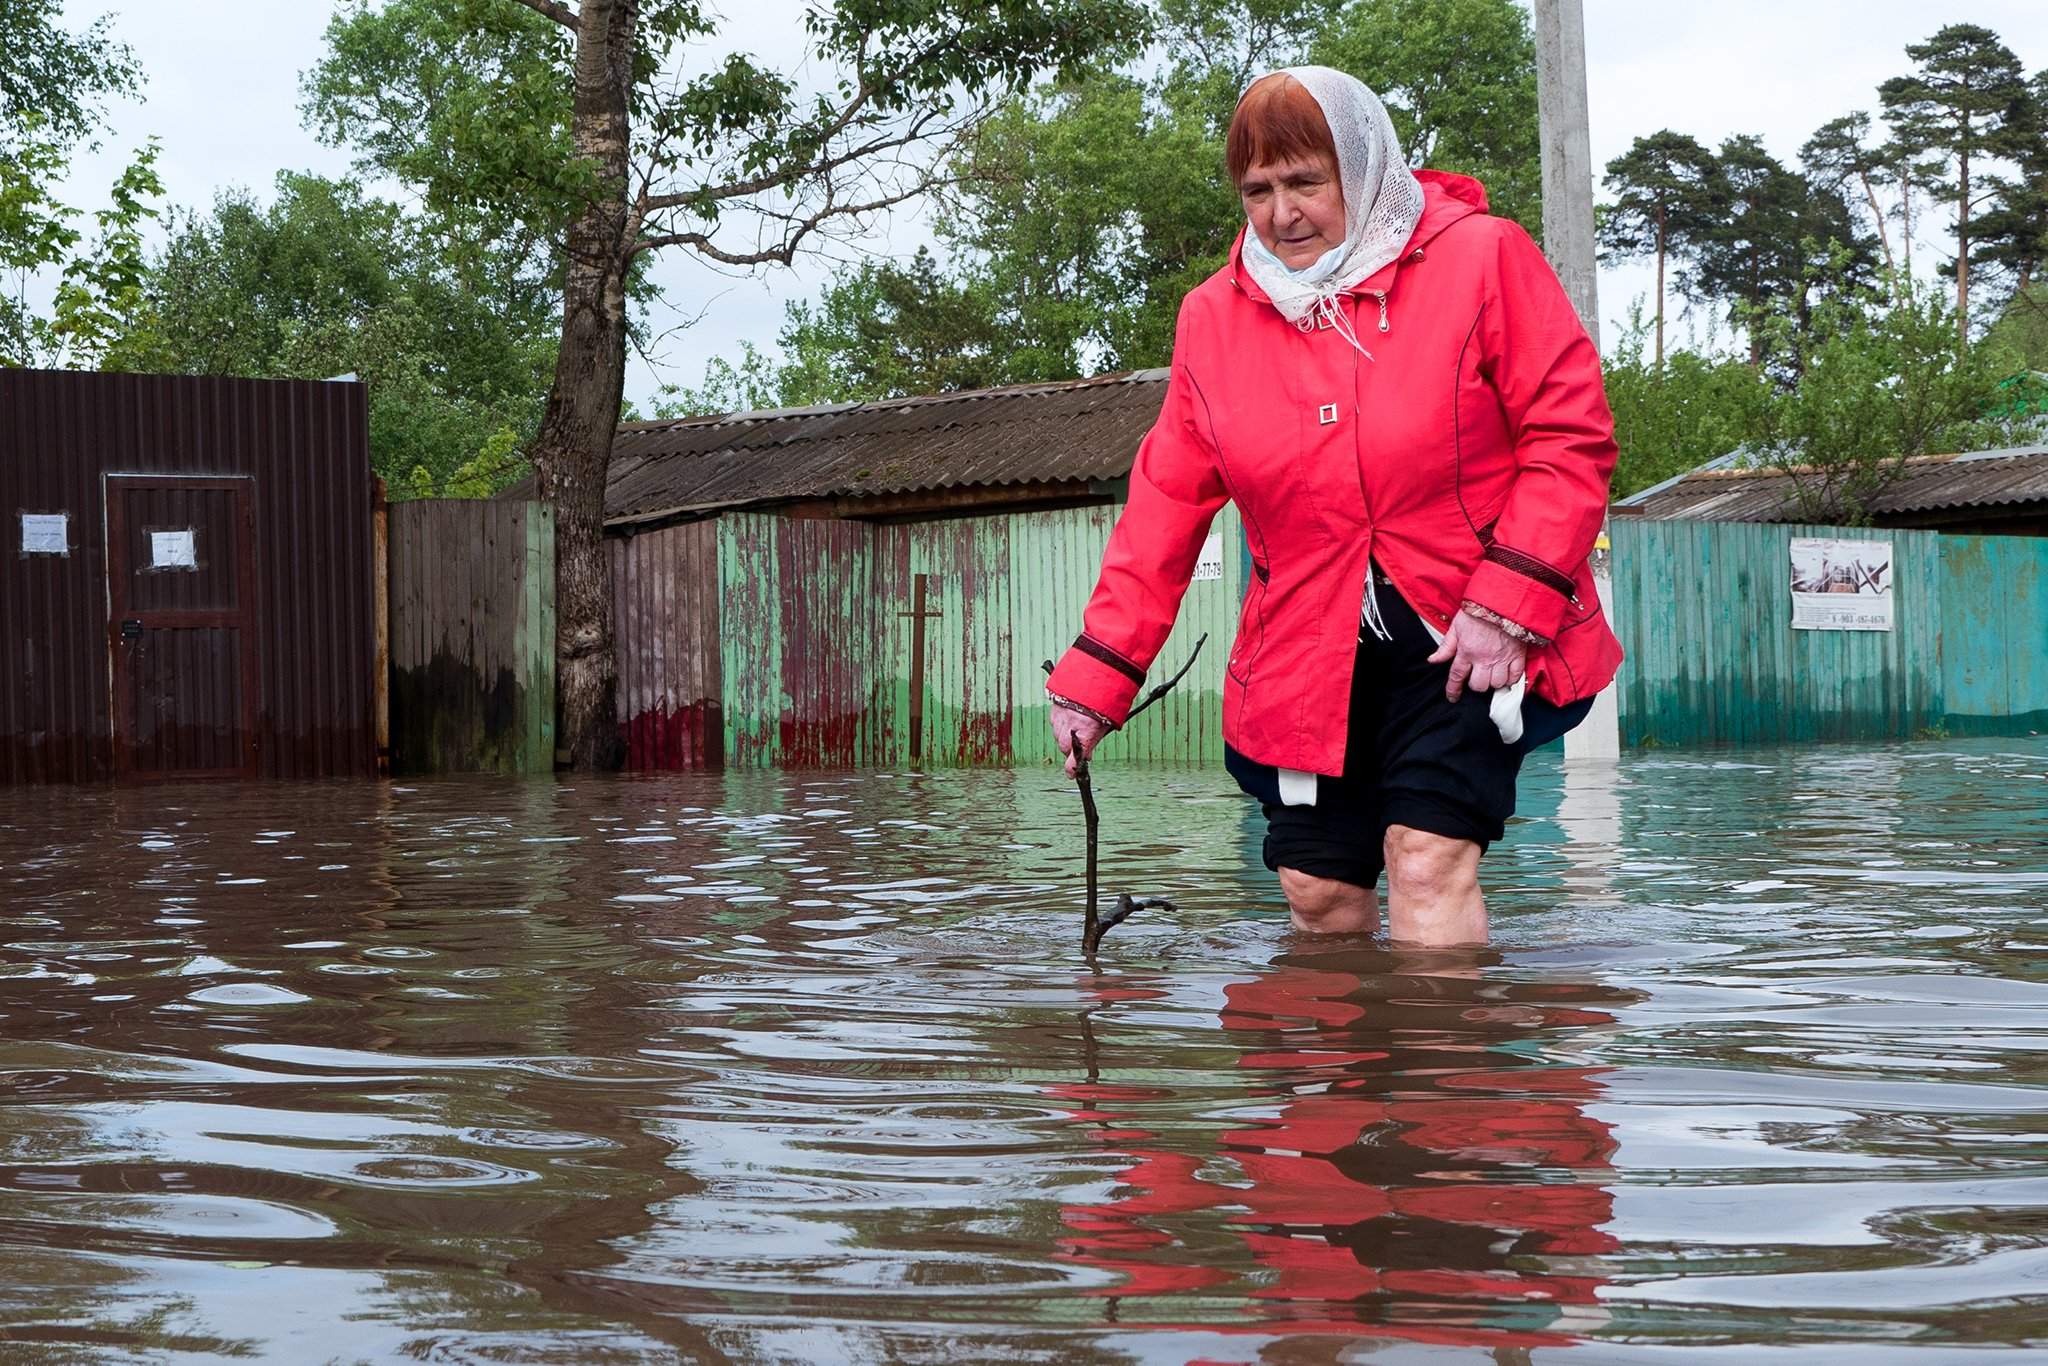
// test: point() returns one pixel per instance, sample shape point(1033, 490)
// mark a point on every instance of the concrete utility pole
point(1568, 242)
point(1567, 154)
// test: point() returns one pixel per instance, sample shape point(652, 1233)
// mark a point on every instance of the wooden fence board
point(472, 637)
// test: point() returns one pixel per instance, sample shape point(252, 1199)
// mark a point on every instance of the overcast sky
point(223, 94)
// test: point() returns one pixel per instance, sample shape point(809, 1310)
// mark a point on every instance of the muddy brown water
point(804, 1067)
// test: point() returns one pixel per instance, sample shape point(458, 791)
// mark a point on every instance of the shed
point(877, 584)
point(189, 589)
point(1996, 492)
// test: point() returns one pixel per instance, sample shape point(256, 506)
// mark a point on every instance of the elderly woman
point(1394, 389)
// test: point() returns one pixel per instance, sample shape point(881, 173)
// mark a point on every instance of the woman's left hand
point(1483, 657)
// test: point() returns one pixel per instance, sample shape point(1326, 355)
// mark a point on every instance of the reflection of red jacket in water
point(1360, 1207)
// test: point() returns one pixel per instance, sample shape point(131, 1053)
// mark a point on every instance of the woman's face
point(1296, 207)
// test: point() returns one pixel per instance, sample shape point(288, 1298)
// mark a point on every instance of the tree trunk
point(1906, 216)
point(1756, 305)
point(1963, 246)
point(574, 445)
point(1660, 288)
point(1884, 239)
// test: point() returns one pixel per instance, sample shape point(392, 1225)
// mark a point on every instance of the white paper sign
point(173, 550)
point(45, 533)
point(1841, 585)
point(1210, 566)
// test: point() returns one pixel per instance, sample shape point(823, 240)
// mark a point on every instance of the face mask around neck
point(1314, 273)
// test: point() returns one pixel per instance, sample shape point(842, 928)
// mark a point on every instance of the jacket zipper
point(1381, 295)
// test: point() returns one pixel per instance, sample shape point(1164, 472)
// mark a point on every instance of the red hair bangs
point(1277, 120)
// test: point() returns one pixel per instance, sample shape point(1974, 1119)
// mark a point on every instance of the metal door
point(181, 574)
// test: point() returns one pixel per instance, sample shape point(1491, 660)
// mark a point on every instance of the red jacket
point(1470, 457)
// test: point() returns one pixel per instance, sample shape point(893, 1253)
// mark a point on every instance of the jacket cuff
point(1093, 677)
point(1522, 589)
point(1071, 705)
point(1513, 630)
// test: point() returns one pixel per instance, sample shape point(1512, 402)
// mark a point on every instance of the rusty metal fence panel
point(472, 637)
point(665, 614)
point(848, 644)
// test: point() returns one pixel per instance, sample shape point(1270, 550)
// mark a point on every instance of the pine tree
point(2012, 237)
point(1959, 107)
point(1664, 193)
point(1839, 158)
point(1749, 248)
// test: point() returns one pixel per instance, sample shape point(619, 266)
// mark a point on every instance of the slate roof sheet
point(1026, 434)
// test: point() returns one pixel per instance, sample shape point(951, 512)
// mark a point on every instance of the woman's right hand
point(1077, 734)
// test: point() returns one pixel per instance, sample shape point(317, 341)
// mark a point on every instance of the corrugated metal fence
point(665, 616)
point(834, 643)
point(1994, 599)
point(70, 441)
point(472, 637)
point(1705, 612)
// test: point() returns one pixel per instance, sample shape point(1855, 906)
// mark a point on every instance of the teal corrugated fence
point(1704, 610)
point(1995, 620)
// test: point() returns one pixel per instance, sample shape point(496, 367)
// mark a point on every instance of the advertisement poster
point(1841, 585)
point(1210, 566)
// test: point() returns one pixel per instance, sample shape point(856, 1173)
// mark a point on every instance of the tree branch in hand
point(1094, 924)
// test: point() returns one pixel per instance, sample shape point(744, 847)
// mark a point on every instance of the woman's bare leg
point(1323, 905)
point(1433, 898)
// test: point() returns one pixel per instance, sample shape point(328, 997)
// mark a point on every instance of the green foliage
point(1964, 101)
point(1459, 79)
point(1874, 375)
point(1882, 376)
point(2011, 239)
point(1768, 229)
point(99, 286)
point(1664, 187)
point(1085, 209)
point(756, 383)
point(1677, 415)
point(326, 280)
point(53, 83)
point(1840, 159)
point(53, 80)
point(2022, 328)
point(101, 295)
point(468, 103)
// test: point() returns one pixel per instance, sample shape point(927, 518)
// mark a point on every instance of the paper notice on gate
point(173, 550)
point(45, 533)
point(1210, 566)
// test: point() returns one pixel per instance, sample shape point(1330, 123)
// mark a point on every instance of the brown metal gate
point(181, 594)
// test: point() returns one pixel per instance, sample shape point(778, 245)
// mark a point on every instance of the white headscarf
point(1382, 201)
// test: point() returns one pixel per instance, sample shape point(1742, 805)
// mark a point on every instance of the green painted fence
point(1704, 610)
point(830, 657)
point(1994, 595)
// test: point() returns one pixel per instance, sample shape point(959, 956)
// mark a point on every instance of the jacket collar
point(1446, 198)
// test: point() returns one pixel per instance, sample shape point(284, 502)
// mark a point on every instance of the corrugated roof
point(1026, 434)
point(1734, 493)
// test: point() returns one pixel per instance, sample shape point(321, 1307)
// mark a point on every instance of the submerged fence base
point(472, 637)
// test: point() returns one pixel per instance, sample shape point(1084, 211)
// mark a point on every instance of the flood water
point(805, 1068)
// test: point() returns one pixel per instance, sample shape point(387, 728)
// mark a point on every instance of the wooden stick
point(1094, 924)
